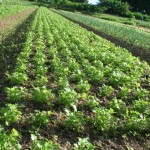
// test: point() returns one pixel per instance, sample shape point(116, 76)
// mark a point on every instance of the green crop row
point(68, 82)
point(7, 10)
point(124, 20)
point(126, 33)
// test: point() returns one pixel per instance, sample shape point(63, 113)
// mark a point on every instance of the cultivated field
point(65, 88)
point(126, 33)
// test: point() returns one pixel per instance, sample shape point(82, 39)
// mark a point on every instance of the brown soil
point(143, 54)
point(11, 22)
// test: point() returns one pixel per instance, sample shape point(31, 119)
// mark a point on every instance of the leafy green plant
point(40, 70)
point(105, 90)
point(10, 114)
point(39, 58)
point(17, 77)
point(118, 106)
point(40, 80)
point(15, 93)
point(83, 86)
point(91, 101)
point(9, 141)
point(42, 94)
point(103, 120)
point(40, 118)
point(63, 82)
point(141, 106)
point(76, 76)
point(141, 93)
point(43, 144)
point(126, 33)
point(73, 121)
point(125, 91)
point(83, 143)
point(68, 96)
point(61, 71)
point(93, 74)
point(135, 121)
point(21, 67)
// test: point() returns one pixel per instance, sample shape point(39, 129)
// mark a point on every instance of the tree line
point(114, 6)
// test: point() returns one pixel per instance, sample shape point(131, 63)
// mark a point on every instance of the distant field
point(129, 21)
point(126, 33)
point(6, 10)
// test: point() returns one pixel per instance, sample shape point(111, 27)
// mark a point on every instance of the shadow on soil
point(10, 47)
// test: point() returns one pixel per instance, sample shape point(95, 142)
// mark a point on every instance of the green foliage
point(40, 70)
point(120, 31)
point(15, 93)
point(17, 77)
point(74, 121)
point(40, 80)
point(94, 74)
point(116, 7)
point(67, 96)
point(105, 90)
point(103, 120)
point(140, 5)
point(40, 118)
point(43, 144)
point(135, 121)
point(91, 101)
point(63, 82)
point(6, 10)
point(10, 114)
point(83, 86)
point(42, 94)
point(118, 106)
point(9, 141)
point(141, 106)
point(102, 88)
point(83, 143)
point(74, 6)
point(125, 91)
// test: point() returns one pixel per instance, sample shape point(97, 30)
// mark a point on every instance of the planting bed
point(64, 87)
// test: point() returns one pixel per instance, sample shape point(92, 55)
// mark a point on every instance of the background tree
point(116, 7)
point(139, 5)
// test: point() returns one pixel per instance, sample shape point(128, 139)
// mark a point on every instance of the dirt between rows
point(143, 54)
point(146, 29)
point(9, 23)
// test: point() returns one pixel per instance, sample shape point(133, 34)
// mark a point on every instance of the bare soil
point(143, 28)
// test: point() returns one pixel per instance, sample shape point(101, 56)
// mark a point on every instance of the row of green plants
point(120, 31)
point(7, 10)
point(69, 78)
point(124, 20)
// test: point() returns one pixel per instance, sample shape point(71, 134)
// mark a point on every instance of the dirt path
point(143, 54)
point(8, 24)
point(143, 29)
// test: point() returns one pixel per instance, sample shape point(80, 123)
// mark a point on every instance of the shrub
point(116, 7)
